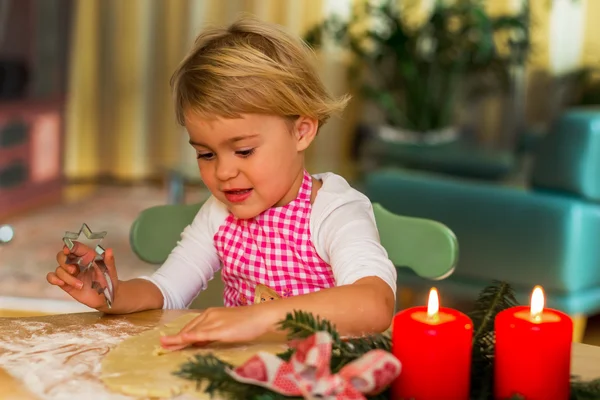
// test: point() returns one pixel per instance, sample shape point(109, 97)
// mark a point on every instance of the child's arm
point(364, 307)
point(135, 295)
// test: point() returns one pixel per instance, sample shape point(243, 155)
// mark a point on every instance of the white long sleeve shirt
point(343, 231)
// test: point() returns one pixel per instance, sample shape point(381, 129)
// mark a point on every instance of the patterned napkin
point(308, 372)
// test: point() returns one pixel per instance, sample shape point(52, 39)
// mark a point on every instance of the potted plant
point(417, 75)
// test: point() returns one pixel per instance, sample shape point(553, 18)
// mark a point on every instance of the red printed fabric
point(308, 373)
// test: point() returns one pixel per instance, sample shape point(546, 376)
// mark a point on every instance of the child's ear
point(305, 129)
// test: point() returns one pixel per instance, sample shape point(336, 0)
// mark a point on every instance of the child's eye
point(204, 156)
point(245, 153)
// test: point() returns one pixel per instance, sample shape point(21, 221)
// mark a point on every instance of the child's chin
point(244, 211)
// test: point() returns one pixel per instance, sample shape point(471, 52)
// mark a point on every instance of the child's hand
point(80, 288)
point(232, 324)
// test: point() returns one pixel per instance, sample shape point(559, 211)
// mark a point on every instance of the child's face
point(252, 163)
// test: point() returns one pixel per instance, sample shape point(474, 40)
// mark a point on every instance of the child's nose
point(226, 170)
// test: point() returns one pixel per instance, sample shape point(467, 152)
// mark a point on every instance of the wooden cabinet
point(34, 44)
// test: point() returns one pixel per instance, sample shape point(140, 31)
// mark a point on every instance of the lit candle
point(533, 351)
point(434, 346)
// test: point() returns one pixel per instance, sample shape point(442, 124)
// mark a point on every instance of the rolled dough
point(136, 367)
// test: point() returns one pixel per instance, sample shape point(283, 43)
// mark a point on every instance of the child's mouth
point(237, 195)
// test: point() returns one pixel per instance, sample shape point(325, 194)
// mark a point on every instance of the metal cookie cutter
point(96, 268)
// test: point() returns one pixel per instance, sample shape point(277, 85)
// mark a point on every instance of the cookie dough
point(138, 367)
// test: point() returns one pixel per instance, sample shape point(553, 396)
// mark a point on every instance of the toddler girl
point(285, 240)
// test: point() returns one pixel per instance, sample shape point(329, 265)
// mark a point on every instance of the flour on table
point(61, 365)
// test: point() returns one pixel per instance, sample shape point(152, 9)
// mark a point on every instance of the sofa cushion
point(523, 237)
point(568, 159)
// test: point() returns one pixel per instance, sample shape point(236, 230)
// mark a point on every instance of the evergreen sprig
point(581, 390)
point(212, 371)
point(301, 324)
point(493, 299)
point(354, 348)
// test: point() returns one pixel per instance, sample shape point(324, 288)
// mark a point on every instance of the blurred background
point(458, 97)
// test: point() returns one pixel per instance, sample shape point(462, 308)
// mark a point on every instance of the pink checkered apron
point(273, 249)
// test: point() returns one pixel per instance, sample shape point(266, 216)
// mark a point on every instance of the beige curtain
point(118, 118)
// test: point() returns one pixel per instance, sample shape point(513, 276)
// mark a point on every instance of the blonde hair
point(251, 67)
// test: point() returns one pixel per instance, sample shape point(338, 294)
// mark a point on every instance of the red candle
point(533, 352)
point(434, 346)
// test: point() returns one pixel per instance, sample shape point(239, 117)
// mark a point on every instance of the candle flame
point(537, 303)
point(433, 304)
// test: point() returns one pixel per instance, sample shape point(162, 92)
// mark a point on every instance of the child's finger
point(54, 280)
point(172, 341)
point(192, 324)
point(61, 257)
point(189, 326)
point(79, 249)
point(184, 346)
point(70, 268)
point(86, 253)
point(68, 278)
point(109, 262)
point(175, 348)
point(62, 260)
point(201, 336)
point(180, 339)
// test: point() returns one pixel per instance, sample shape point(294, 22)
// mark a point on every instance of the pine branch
point(362, 345)
point(301, 324)
point(286, 355)
point(585, 390)
point(211, 370)
point(493, 299)
point(203, 367)
point(355, 348)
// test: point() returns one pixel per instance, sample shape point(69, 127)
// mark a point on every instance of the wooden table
point(61, 354)
point(38, 348)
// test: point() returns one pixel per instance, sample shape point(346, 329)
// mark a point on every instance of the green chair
point(426, 247)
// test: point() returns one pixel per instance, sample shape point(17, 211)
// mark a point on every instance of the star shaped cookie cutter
point(96, 263)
